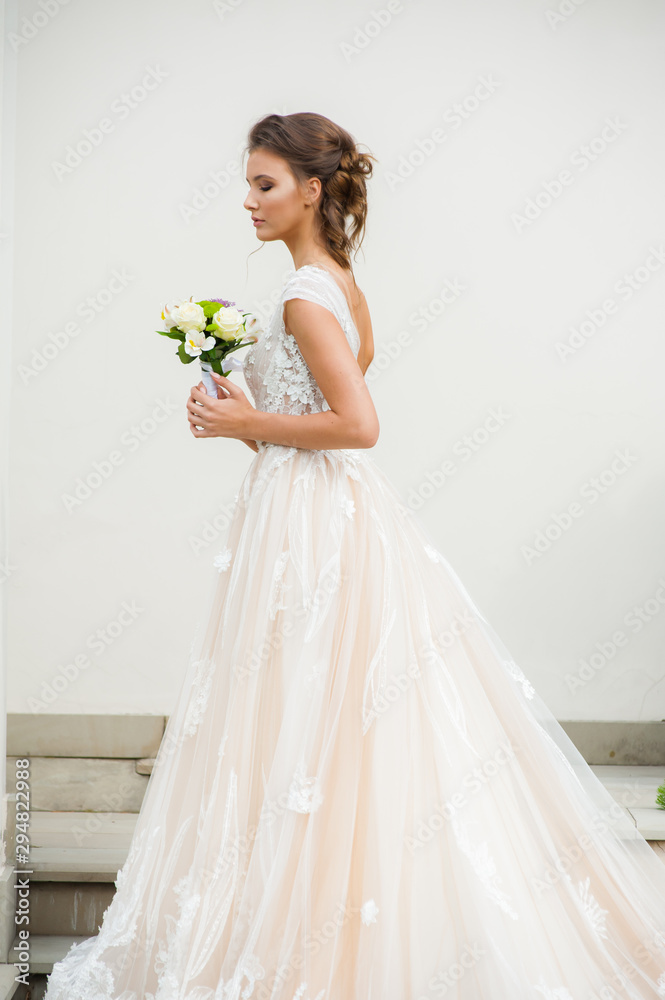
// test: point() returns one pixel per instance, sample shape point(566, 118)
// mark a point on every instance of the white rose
point(227, 321)
point(196, 341)
point(188, 316)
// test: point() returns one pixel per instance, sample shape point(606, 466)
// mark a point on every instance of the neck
point(306, 247)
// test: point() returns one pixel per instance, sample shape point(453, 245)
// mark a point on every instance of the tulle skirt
point(359, 794)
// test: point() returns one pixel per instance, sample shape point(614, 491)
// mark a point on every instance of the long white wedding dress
point(359, 794)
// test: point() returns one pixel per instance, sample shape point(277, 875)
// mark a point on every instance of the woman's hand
point(226, 416)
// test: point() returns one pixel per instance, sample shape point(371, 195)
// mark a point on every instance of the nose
point(249, 202)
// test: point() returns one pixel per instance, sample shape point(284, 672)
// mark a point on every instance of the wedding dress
point(359, 794)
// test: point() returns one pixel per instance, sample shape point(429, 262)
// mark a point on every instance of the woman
point(359, 795)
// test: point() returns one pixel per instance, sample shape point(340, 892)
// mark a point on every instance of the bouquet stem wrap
point(228, 364)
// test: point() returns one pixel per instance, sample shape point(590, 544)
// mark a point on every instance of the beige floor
point(659, 848)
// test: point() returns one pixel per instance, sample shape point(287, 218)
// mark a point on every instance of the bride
point(359, 794)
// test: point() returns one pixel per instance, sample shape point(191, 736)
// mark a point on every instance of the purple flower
point(222, 302)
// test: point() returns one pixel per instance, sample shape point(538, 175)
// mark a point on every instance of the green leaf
point(184, 356)
point(173, 334)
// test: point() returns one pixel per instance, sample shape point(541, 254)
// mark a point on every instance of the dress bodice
point(276, 373)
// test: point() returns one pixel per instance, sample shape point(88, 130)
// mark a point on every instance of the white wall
point(552, 87)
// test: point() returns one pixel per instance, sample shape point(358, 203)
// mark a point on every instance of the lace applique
point(368, 912)
point(278, 587)
point(304, 794)
point(251, 969)
point(93, 979)
point(552, 993)
point(223, 560)
point(172, 954)
point(291, 387)
point(134, 850)
point(592, 908)
point(351, 458)
point(483, 865)
point(300, 993)
point(201, 683)
point(661, 985)
point(121, 916)
point(180, 955)
point(517, 675)
point(348, 507)
point(279, 453)
point(314, 680)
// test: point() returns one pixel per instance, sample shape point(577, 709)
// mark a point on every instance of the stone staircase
point(88, 778)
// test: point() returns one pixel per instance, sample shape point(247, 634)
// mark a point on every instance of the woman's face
point(275, 197)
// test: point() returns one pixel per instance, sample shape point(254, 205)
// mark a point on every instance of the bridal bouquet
point(209, 330)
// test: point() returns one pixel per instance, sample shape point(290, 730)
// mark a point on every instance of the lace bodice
point(276, 373)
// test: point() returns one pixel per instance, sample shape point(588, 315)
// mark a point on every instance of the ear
point(312, 190)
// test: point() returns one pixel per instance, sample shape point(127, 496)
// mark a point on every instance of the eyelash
point(266, 188)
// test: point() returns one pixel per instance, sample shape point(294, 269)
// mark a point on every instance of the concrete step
point(49, 734)
point(83, 784)
point(635, 788)
point(85, 830)
point(8, 984)
point(659, 848)
point(46, 949)
point(79, 847)
point(91, 847)
point(631, 786)
point(76, 856)
point(76, 864)
point(650, 823)
point(145, 765)
point(7, 909)
point(68, 907)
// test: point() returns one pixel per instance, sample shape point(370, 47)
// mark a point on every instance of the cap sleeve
point(310, 284)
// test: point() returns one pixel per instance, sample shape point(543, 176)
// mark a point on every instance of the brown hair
point(314, 146)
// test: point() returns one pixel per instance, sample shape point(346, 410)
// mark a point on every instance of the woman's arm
point(351, 421)
point(310, 430)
